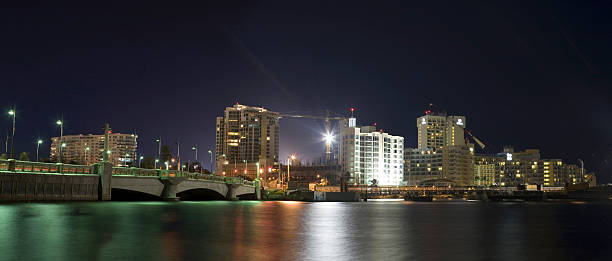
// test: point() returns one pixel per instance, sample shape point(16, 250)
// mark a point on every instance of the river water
point(267, 230)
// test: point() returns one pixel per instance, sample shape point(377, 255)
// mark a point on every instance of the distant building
point(367, 154)
point(88, 149)
point(525, 167)
point(246, 136)
point(457, 163)
point(421, 165)
point(436, 130)
point(442, 155)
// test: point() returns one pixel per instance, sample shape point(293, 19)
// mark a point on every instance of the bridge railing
point(138, 172)
point(43, 167)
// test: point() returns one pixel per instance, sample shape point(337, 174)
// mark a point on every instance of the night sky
point(531, 75)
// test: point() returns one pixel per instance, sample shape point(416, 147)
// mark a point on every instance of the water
point(250, 230)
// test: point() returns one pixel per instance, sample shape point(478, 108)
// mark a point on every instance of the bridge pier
point(105, 170)
point(231, 191)
point(170, 187)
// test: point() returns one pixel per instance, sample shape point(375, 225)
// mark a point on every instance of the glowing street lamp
point(61, 124)
point(158, 152)
point(196, 152)
point(86, 158)
point(140, 161)
point(12, 114)
point(38, 146)
point(211, 160)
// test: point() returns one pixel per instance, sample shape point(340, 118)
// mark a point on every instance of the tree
point(24, 156)
point(165, 154)
point(194, 166)
point(374, 183)
point(147, 163)
point(3, 156)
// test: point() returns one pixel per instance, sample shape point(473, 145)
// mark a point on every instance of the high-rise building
point(88, 149)
point(436, 130)
point(367, 154)
point(442, 154)
point(246, 136)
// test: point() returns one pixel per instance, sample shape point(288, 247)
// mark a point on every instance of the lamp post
point(140, 161)
point(86, 158)
point(178, 154)
point(292, 157)
point(12, 114)
point(196, 152)
point(158, 153)
point(61, 150)
point(211, 160)
point(38, 146)
point(61, 142)
point(246, 168)
point(581, 169)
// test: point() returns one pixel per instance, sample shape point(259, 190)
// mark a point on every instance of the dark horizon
point(530, 75)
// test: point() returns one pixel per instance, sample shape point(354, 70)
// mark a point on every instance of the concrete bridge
point(24, 180)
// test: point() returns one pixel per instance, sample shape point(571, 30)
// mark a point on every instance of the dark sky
point(532, 75)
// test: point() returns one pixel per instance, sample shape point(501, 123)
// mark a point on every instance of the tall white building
point(367, 154)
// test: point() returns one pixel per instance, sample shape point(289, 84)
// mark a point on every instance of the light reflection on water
point(251, 230)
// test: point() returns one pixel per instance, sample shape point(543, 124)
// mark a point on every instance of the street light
point(140, 161)
point(12, 114)
point(86, 158)
point(37, 146)
point(292, 157)
point(196, 152)
point(211, 160)
point(61, 141)
point(158, 152)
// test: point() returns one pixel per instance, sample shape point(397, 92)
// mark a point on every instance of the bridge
point(25, 180)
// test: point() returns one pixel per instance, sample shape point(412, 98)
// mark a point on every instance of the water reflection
point(304, 231)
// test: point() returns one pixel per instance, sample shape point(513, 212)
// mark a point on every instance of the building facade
point(421, 165)
point(436, 130)
point(246, 136)
point(88, 149)
point(367, 154)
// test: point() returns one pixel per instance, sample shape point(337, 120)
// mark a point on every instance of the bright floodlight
point(58, 122)
point(328, 137)
point(293, 156)
point(40, 141)
point(11, 112)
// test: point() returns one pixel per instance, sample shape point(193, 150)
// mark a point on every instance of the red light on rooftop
point(352, 109)
point(427, 112)
point(375, 124)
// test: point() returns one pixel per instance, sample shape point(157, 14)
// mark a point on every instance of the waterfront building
point(368, 154)
point(246, 136)
point(457, 163)
point(88, 149)
point(484, 170)
point(421, 165)
point(436, 130)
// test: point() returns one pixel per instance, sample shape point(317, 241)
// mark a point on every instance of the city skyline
point(156, 80)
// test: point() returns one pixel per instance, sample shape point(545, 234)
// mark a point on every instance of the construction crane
point(480, 143)
point(328, 137)
point(432, 108)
